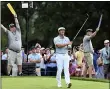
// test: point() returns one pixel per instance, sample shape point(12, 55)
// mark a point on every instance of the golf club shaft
point(80, 29)
point(100, 21)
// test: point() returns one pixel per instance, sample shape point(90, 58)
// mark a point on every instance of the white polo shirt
point(59, 40)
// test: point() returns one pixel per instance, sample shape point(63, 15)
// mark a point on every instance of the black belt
point(61, 53)
point(14, 51)
point(37, 66)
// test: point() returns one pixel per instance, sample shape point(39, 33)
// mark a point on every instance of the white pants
point(62, 62)
point(38, 71)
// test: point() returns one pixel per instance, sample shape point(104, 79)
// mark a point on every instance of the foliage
point(45, 18)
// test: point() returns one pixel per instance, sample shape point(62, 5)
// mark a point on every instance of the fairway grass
point(48, 83)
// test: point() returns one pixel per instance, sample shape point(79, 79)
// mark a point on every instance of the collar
point(61, 37)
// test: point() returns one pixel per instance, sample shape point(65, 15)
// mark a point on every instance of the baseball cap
point(89, 30)
point(11, 25)
point(61, 28)
point(33, 47)
point(106, 41)
point(42, 48)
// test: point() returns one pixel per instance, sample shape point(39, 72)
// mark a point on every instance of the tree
point(46, 17)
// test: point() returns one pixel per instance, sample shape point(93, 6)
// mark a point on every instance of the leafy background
point(45, 18)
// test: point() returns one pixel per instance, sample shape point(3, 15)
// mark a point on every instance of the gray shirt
point(59, 40)
point(87, 44)
point(14, 40)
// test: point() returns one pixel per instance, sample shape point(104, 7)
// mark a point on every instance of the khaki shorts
point(14, 58)
point(88, 59)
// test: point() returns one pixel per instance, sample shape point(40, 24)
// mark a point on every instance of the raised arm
point(16, 22)
point(4, 28)
point(94, 34)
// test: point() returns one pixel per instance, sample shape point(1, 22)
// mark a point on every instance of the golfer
point(62, 58)
point(14, 45)
point(88, 51)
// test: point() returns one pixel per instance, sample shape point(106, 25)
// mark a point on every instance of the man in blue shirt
point(52, 66)
point(105, 55)
point(35, 57)
point(62, 58)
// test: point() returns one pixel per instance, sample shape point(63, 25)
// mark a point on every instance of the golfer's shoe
point(59, 86)
point(9, 75)
point(20, 74)
point(69, 85)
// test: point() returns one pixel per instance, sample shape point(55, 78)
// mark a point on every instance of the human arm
point(17, 22)
point(60, 45)
point(93, 34)
point(4, 28)
point(35, 61)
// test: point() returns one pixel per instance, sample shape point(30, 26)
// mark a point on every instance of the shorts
point(14, 58)
point(106, 68)
point(88, 59)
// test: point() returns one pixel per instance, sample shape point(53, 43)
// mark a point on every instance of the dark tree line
point(46, 17)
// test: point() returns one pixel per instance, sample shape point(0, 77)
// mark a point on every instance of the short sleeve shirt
point(59, 40)
point(87, 44)
point(35, 57)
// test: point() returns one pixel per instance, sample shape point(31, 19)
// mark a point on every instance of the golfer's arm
point(93, 35)
point(17, 23)
point(4, 28)
point(61, 45)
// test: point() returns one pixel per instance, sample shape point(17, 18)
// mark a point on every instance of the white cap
point(42, 48)
point(61, 28)
point(106, 41)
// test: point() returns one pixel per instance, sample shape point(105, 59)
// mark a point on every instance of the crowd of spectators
point(45, 60)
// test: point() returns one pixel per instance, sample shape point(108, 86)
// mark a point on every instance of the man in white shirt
point(62, 58)
point(4, 56)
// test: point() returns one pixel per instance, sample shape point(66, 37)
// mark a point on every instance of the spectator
point(105, 56)
point(29, 53)
point(100, 71)
point(52, 66)
point(72, 68)
point(48, 54)
point(95, 57)
point(5, 56)
point(35, 57)
point(38, 45)
point(42, 64)
point(79, 55)
point(1, 54)
point(24, 56)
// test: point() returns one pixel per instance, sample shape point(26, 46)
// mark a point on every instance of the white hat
point(61, 28)
point(106, 41)
point(42, 48)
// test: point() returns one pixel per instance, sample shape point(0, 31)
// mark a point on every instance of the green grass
point(48, 83)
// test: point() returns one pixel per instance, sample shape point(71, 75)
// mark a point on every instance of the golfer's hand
point(15, 16)
point(97, 29)
point(70, 43)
